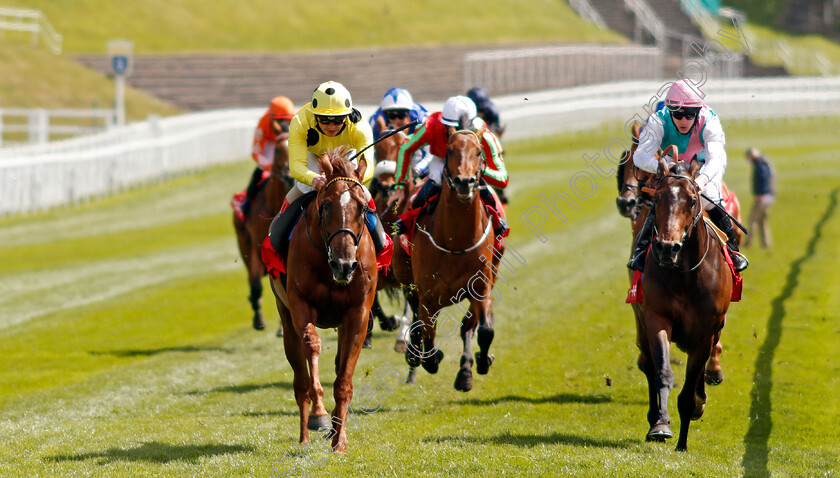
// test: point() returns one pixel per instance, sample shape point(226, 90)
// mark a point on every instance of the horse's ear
point(694, 167)
point(636, 131)
point(325, 164)
point(663, 166)
point(360, 170)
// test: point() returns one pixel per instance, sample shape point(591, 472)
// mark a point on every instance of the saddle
point(275, 248)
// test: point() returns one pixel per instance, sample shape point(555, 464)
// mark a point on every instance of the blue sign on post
point(120, 64)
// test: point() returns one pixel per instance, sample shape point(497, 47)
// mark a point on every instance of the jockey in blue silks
point(397, 109)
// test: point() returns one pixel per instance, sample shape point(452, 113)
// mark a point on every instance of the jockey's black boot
point(722, 221)
point(253, 187)
point(487, 198)
point(429, 189)
point(637, 261)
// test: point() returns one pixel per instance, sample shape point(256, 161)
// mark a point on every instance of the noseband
point(688, 229)
point(329, 237)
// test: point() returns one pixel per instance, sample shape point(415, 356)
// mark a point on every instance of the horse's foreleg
point(484, 359)
point(293, 347)
point(663, 380)
point(404, 321)
point(464, 379)
point(255, 273)
point(312, 350)
point(351, 335)
point(692, 398)
point(431, 355)
point(714, 372)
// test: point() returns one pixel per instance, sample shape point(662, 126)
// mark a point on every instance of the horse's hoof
point(389, 323)
point(699, 408)
point(660, 432)
point(463, 381)
point(279, 331)
point(483, 363)
point(318, 422)
point(714, 377)
point(412, 377)
point(432, 363)
point(411, 359)
point(400, 347)
point(258, 323)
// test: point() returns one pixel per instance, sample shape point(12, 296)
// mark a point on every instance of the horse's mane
point(341, 164)
point(679, 168)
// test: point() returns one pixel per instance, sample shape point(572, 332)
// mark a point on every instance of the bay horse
point(332, 278)
point(251, 232)
point(687, 288)
point(448, 263)
point(632, 204)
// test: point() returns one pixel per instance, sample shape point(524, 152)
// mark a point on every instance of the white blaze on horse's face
point(345, 198)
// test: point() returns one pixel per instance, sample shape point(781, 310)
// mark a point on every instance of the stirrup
point(637, 263)
point(739, 261)
point(398, 228)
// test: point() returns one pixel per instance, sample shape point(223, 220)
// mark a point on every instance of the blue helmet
point(397, 99)
point(481, 98)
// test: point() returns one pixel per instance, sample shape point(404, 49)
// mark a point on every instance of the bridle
point(689, 228)
point(328, 237)
point(481, 165)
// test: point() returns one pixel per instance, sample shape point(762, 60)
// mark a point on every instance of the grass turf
point(127, 350)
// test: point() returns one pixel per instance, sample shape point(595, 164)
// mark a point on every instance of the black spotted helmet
point(331, 98)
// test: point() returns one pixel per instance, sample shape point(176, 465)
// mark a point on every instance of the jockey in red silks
point(459, 113)
point(272, 128)
point(688, 123)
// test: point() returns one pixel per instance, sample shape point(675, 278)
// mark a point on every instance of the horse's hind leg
point(255, 273)
point(386, 322)
point(404, 321)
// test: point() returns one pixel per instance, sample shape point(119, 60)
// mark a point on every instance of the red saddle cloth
point(276, 265)
point(635, 295)
point(239, 198)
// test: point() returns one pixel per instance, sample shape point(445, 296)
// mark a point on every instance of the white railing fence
point(31, 21)
point(587, 12)
point(503, 71)
point(39, 126)
point(34, 178)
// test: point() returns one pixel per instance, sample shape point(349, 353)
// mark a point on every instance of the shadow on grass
point(156, 452)
point(756, 453)
point(559, 398)
point(248, 388)
point(538, 440)
point(150, 352)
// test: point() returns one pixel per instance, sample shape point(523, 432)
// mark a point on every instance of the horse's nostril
point(353, 266)
point(333, 264)
point(675, 248)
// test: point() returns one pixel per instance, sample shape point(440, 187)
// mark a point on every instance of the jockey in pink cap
point(687, 122)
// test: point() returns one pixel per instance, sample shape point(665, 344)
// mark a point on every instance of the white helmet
point(385, 167)
point(458, 111)
point(397, 99)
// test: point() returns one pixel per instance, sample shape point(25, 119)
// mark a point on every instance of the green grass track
point(126, 348)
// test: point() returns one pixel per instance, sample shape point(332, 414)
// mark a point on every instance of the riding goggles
point(327, 120)
point(396, 114)
point(687, 113)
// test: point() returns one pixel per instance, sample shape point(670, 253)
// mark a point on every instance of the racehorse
point(332, 277)
point(631, 203)
point(251, 232)
point(687, 288)
point(448, 263)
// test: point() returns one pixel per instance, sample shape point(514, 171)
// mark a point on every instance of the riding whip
point(386, 136)
point(740, 226)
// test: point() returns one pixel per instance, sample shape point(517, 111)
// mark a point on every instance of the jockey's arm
point(650, 140)
point(714, 145)
point(361, 139)
point(262, 149)
point(298, 153)
point(407, 150)
point(495, 173)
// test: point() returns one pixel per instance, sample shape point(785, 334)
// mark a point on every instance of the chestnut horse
point(332, 277)
point(251, 232)
point(687, 287)
point(631, 204)
point(448, 263)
